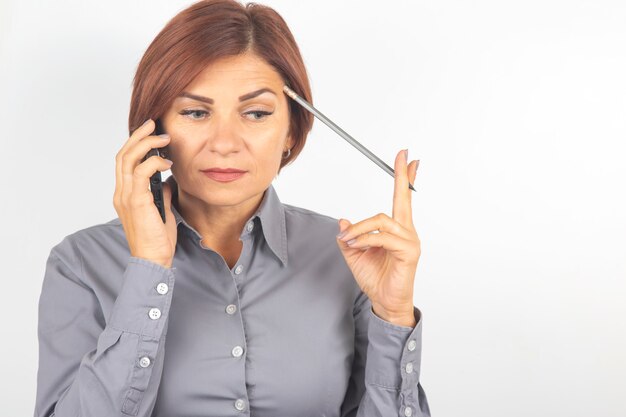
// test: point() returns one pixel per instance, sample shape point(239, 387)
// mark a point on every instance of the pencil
point(341, 132)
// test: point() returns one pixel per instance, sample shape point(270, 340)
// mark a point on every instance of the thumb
point(343, 225)
point(167, 201)
point(349, 254)
point(167, 195)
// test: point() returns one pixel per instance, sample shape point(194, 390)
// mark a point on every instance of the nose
point(224, 137)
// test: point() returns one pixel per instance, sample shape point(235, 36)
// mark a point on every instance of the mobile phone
point(156, 186)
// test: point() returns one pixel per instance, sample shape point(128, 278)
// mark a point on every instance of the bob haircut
point(205, 32)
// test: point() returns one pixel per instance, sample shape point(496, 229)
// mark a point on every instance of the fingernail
point(145, 123)
point(351, 241)
point(164, 136)
point(342, 234)
point(168, 161)
point(417, 164)
point(406, 155)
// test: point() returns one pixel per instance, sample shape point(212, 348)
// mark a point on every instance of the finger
point(167, 195)
point(140, 132)
point(132, 158)
point(141, 179)
point(343, 224)
point(412, 172)
point(401, 211)
point(167, 199)
point(381, 223)
point(387, 241)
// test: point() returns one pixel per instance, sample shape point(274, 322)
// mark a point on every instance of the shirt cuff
point(393, 352)
point(143, 303)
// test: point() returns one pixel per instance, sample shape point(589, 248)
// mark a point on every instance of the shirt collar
point(270, 212)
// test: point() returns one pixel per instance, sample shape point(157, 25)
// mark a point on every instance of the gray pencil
point(341, 132)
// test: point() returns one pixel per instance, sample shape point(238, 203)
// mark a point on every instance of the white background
point(515, 109)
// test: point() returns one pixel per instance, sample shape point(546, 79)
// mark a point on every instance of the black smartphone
point(156, 186)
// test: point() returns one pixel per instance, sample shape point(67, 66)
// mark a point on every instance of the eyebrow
point(245, 97)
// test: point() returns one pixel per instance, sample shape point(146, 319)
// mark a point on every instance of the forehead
point(240, 69)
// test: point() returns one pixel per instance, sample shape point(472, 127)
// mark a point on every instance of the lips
point(226, 170)
point(224, 175)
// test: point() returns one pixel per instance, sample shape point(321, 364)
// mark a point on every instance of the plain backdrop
point(516, 110)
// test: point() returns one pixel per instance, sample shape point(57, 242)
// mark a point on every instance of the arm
point(89, 367)
point(381, 384)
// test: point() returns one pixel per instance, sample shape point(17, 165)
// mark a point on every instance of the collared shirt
point(286, 331)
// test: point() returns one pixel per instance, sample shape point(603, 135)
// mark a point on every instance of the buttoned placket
point(238, 274)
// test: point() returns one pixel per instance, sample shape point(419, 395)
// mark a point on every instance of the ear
point(290, 142)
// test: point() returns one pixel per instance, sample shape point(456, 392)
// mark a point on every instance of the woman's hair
point(205, 32)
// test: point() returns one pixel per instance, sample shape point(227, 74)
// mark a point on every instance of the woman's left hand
point(384, 263)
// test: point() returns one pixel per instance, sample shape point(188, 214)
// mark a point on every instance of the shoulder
point(102, 232)
point(312, 232)
point(310, 217)
point(101, 241)
point(310, 224)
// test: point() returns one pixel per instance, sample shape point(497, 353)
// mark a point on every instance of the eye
point(191, 111)
point(258, 114)
point(264, 114)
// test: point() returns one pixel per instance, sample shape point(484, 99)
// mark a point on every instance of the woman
point(238, 304)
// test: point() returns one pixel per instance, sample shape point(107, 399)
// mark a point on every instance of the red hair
point(207, 31)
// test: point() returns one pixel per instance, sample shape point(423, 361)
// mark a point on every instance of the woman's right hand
point(148, 237)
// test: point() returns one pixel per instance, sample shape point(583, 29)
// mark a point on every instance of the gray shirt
point(286, 332)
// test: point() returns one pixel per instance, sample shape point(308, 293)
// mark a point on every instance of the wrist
point(400, 319)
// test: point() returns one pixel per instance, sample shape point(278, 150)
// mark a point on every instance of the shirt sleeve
point(89, 366)
point(386, 367)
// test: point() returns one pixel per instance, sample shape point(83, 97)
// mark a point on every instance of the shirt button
point(250, 226)
point(409, 367)
point(231, 308)
point(154, 313)
point(412, 345)
point(238, 269)
point(162, 288)
point(240, 404)
point(144, 362)
point(237, 351)
point(408, 411)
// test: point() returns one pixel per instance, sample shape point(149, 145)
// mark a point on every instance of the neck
point(220, 226)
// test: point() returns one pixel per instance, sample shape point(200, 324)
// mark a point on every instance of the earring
point(288, 153)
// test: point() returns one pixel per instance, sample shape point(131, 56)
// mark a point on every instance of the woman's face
point(229, 131)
